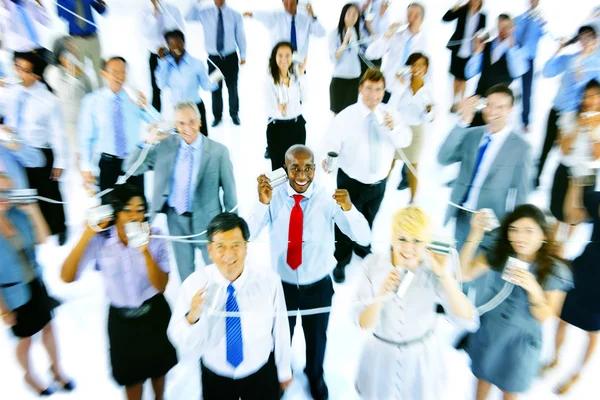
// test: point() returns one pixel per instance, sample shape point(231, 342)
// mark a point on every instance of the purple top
point(124, 268)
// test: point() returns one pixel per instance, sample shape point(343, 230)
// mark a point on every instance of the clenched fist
point(342, 198)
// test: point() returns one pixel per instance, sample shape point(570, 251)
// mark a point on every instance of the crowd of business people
point(237, 320)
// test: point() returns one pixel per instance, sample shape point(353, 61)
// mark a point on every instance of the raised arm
point(473, 267)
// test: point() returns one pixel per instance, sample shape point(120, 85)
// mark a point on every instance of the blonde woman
point(402, 359)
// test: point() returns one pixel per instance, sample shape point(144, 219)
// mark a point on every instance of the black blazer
point(459, 33)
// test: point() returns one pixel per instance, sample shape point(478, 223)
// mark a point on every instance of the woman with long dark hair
point(343, 90)
point(135, 279)
point(24, 302)
point(284, 89)
point(528, 285)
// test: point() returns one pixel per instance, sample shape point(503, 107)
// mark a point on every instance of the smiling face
point(408, 251)
point(591, 100)
point(300, 168)
point(228, 251)
point(283, 58)
point(24, 69)
point(115, 73)
point(419, 68)
point(372, 93)
point(351, 17)
point(497, 111)
point(188, 124)
point(526, 237)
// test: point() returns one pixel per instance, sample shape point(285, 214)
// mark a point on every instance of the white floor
point(81, 321)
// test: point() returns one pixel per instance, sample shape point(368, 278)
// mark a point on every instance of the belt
point(86, 36)
point(408, 342)
point(110, 156)
point(185, 214)
point(221, 56)
point(130, 313)
point(286, 121)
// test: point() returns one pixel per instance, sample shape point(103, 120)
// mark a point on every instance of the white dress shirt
point(489, 156)
point(265, 326)
point(466, 47)
point(348, 136)
point(412, 107)
point(41, 123)
point(581, 149)
point(154, 27)
point(279, 24)
point(348, 66)
point(16, 36)
point(294, 96)
point(233, 27)
point(320, 212)
point(395, 50)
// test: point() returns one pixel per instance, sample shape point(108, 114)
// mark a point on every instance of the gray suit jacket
point(216, 171)
point(510, 170)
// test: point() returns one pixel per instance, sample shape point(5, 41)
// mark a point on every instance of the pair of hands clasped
point(265, 193)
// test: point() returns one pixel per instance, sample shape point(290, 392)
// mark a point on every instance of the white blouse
point(280, 93)
point(413, 106)
point(581, 150)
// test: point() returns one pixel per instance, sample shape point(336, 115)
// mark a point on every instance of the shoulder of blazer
point(169, 143)
point(213, 147)
point(519, 141)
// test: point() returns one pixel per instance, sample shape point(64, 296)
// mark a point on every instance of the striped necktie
point(233, 330)
point(183, 180)
point(119, 128)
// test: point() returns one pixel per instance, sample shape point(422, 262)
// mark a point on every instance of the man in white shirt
point(396, 47)
point(365, 136)
point(156, 19)
point(290, 26)
point(35, 115)
point(224, 36)
point(243, 355)
point(301, 217)
point(495, 162)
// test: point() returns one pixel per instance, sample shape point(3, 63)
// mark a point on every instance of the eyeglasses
point(22, 69)
point(402, 239)
point(306, 170)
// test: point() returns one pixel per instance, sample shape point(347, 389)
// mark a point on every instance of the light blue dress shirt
point(348, 66)
point(95, 128)
point(515, 59)
point(183, 79)
point(570, 92)
point(197, 146)
point(320, 212)
point(233, 24)
point(528, 33)
point(2, 70)
point(14, 162)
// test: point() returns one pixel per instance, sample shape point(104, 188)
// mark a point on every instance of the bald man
point(305, 213)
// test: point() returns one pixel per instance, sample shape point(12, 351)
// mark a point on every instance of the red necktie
point(294, 253)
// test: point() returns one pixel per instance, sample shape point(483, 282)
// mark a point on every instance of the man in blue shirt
point(15, 156)
point(529, 30)
point(110, 125)
point(223, 36)
point(578, 69)
point(184, 75)
point(78, 14)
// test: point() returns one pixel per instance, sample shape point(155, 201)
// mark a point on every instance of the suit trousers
point(261, 385)
point(230, 67)
point(153, 62)
point(40, 179)
point(181, 225)
point(551, 135)
point(89, 47)
point(526, 84)
point(110, 170)
point(367, 199)
point(303, 297)
point(462, 229)
point(204, 126)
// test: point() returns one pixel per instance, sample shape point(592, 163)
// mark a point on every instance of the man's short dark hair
point(118, 58)
point(227, 222)
point(372, 75)
point(504, 17)
point(587, 29)
point(176, 34)
point(501, 88)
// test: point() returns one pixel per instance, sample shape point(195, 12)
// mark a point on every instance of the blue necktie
point(407, 49)
point(293, 34)
point(220, 34)
point(31, 32)
point(119, 127)
point(23, 97)
point(233, 331)
point(486, 142)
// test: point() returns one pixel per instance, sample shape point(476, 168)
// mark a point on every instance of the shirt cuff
point(462, 124)
point(284, 374)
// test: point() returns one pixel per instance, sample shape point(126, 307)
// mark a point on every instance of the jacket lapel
point(169, 154)
point(507, 148)
point(204, 162)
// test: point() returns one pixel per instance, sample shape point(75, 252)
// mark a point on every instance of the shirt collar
point(222, 281)
point(362, 108)
point(185, 58)
point(500, 135)
point(196, 144)
point(113, 236)
point(309, 192)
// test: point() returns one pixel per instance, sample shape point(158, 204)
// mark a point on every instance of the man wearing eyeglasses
point(366, 136)
point(301, 217)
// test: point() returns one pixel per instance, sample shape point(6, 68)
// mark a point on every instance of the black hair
point(273, 68)
point(504, 17)
point(592, 84)
point(587, 29)
point(108, 60)
point(122, 194)
point(501, 88)
point(414, 57)
point(175, 34)
point(503, 248)
point(342, 23)
point(225, 222)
